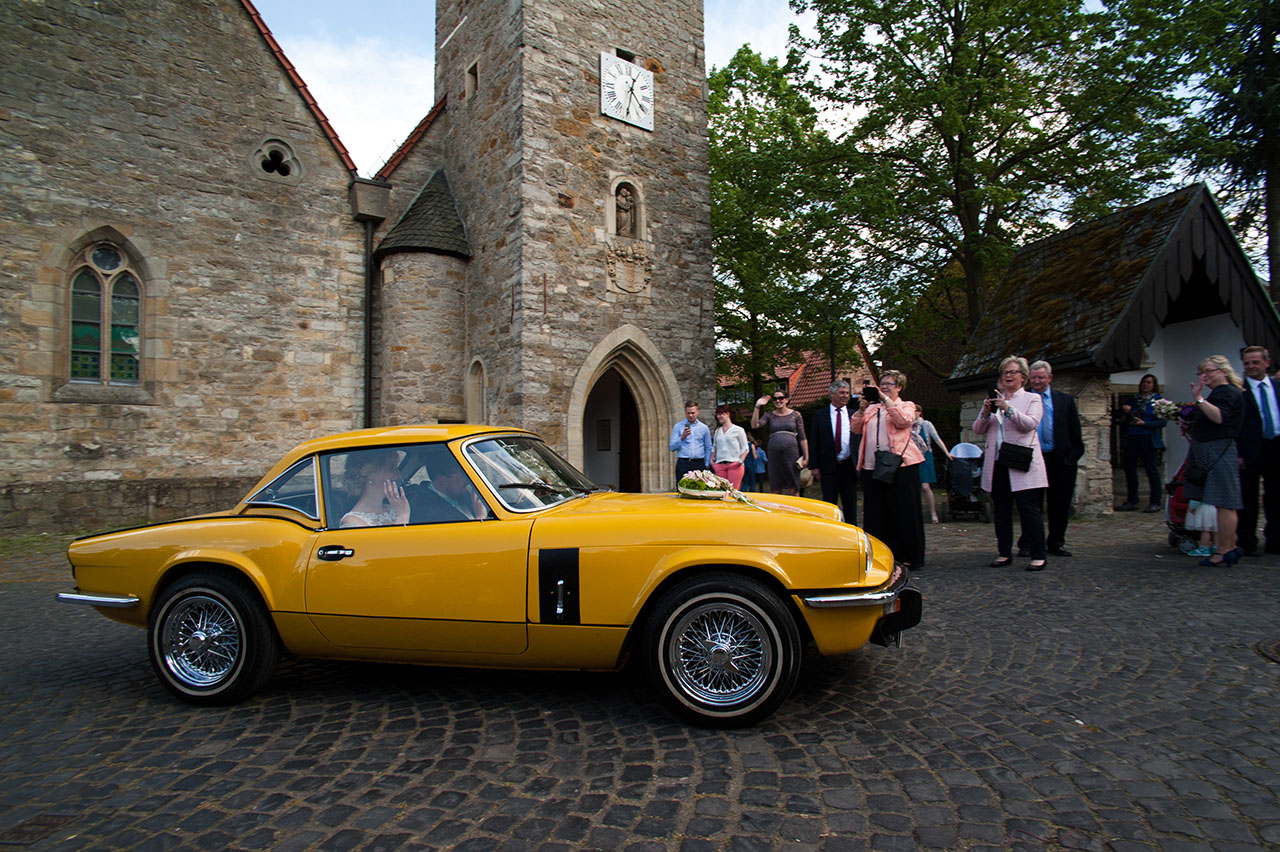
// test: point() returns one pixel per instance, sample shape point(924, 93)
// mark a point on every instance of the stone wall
point(143, 122)
point(1094, 493)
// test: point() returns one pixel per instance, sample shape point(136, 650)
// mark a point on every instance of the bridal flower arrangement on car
point(480, 547)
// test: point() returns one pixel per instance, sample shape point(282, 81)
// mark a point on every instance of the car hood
point(666, 519)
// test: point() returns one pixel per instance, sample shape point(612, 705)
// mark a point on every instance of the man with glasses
point(834, 449)
point(1259, 448)
point(691, 442)
point(1062, 443)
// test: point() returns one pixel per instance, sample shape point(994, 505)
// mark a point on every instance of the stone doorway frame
point(655, 390)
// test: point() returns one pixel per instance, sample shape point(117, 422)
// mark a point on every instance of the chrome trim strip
point(114, 601)
point(870, 597)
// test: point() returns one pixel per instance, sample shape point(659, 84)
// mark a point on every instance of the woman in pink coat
point(1011, 415)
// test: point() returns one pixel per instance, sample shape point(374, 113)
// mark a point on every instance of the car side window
point(436, 490)
point(294, 489)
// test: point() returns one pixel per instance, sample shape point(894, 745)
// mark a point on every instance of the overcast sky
point(371, 67)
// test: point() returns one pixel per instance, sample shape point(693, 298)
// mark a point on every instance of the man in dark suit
point(1062, 442)
point(1259, 448)
point(833, 448)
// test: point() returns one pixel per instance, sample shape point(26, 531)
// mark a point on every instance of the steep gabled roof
point(406, 147)
point(431, 224)
point(296, 79)
point(1092, 296)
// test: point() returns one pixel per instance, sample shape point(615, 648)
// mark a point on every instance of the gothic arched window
point(106, 318)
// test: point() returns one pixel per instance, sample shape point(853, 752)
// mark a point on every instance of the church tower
point(573, 137)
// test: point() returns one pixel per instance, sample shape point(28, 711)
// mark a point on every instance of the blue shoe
point(1201, 551)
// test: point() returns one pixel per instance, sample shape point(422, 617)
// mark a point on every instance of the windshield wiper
point(539, 487)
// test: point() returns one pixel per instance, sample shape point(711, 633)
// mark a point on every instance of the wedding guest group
point(833, 449)
point(889, 466)
point(788, 446)
point(1013, 470)
point(691, 442)
point(1259, 446)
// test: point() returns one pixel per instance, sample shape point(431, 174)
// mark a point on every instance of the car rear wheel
point(211, 640)
point(722, 650)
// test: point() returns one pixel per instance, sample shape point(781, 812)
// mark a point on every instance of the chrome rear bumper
point(113, 601)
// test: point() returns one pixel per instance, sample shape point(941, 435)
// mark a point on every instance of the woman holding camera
point(890, 499)
point(1013, 466)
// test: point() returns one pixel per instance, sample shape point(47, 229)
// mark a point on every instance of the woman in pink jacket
point(891, 510)
point(1011, 415)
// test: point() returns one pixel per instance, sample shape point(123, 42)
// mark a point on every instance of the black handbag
point(887, 461)
point(1014, 456)
point(887, 464)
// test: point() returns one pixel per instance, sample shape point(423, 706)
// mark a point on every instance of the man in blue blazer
point(1062, 442)
point(1259, 448)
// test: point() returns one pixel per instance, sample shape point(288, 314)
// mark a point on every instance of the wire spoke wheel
point(720, 655)
point(201, 640)
point(722, 649)
point(211, 639)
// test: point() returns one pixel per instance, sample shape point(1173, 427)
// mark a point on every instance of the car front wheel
point(211, 640)
point(722, 650)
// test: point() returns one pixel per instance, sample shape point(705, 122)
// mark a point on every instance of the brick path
point(1116, 701)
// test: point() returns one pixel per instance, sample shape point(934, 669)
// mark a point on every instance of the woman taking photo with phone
point(1013, 466)
point(890, 498)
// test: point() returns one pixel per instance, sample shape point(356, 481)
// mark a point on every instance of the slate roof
point(431, 224)
point(1092, 296)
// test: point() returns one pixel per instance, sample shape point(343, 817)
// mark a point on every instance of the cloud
point(373, 92)
point(761, 23)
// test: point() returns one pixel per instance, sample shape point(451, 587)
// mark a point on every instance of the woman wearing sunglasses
point(788, 448)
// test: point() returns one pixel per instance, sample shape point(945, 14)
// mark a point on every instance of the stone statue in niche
point(625, 208)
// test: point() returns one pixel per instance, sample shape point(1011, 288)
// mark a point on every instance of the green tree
point(1237, 135)
point(781, 277)
point(972, 126)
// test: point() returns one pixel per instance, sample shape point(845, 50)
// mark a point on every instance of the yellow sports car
point(475, 546)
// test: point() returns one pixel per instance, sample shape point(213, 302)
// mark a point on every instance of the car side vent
point(558, 586)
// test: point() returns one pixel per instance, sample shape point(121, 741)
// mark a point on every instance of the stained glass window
point(115, 359)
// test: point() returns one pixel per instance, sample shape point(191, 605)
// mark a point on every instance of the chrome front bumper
point(878, 596)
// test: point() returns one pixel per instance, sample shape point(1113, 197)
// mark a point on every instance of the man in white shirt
point(833, 451)
point(1259, 447)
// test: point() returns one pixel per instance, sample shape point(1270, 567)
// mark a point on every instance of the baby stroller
point(1176, 506)
point(964, 483)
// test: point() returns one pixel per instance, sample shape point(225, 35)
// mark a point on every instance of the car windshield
point(525, 473)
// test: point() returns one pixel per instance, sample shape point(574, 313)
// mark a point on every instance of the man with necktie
point(1062, 442)
point(834, 449)
point(1259, 447)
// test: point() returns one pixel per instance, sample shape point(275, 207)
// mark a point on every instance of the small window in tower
point(625, 54)
point(473, 80)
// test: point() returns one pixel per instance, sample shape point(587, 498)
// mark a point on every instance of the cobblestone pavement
point(1117, 701)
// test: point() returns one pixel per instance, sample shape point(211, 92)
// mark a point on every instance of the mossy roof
point(1092, 296)
point(430, 224)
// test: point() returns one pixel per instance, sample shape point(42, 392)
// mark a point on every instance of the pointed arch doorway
point(639, 367)
point(611, 434)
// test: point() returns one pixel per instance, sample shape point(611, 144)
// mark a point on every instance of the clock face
point(626, 91)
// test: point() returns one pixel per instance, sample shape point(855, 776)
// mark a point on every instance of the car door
point(448, 586)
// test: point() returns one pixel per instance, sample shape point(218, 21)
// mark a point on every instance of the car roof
point(391, 435)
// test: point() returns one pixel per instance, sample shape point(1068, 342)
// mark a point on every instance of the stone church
point(195, 278)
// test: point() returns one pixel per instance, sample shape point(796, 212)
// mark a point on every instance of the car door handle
point(334, 552)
